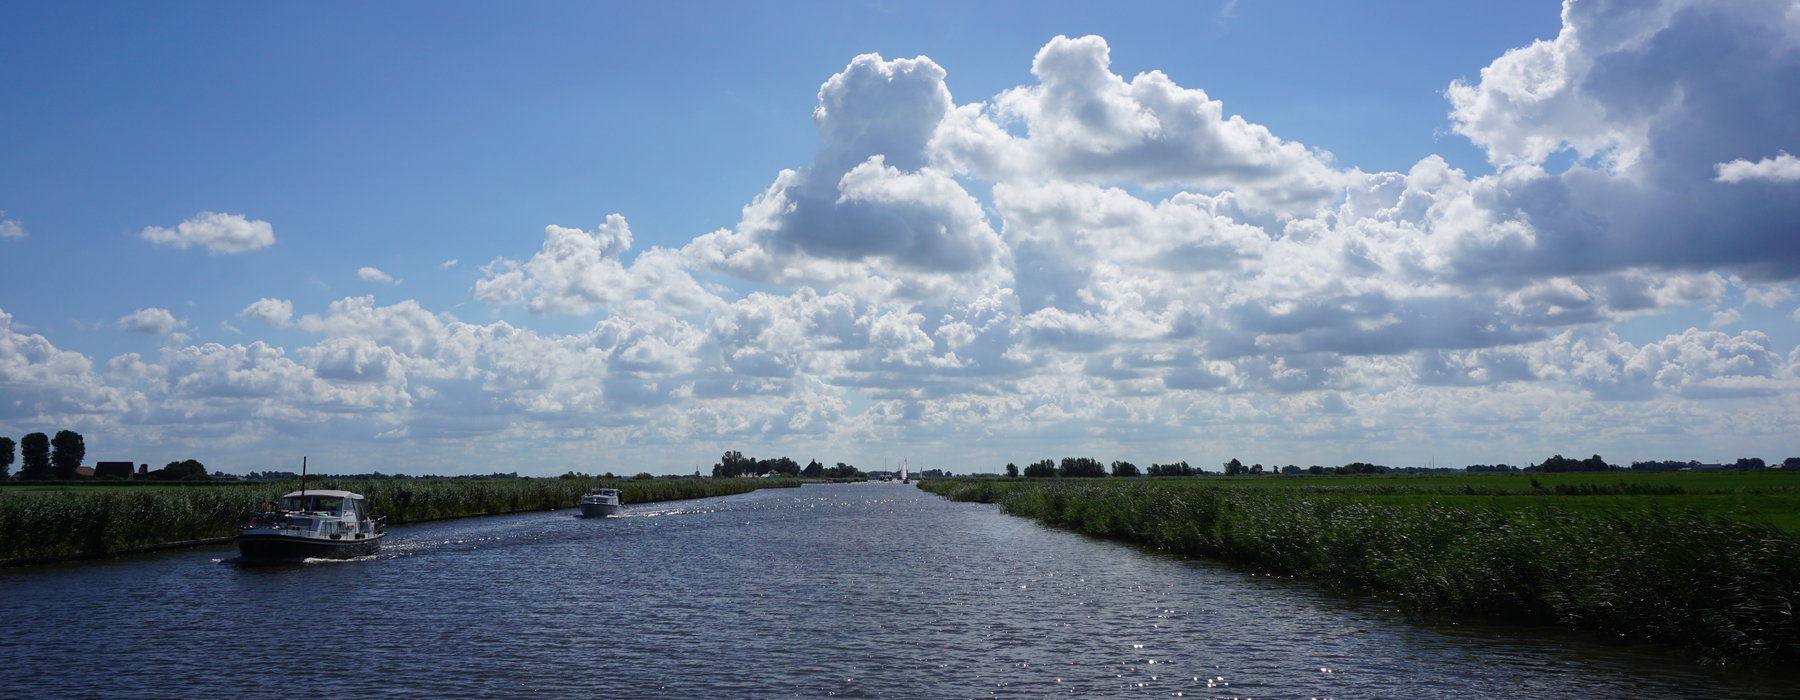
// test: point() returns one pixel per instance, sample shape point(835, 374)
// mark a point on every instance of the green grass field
point(1766, 497)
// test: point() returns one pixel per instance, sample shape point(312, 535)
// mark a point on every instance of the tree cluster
point(185, 470)
point(734, 463)
point(1560, 463)
point(1180, 468)
point(1081, 467)
point(844, 471)
point(44, 457)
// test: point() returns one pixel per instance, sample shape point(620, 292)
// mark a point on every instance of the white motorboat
point(317, 524)
point(600, 503)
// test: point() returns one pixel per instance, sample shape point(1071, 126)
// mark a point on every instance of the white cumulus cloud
point(218, 233)
point(868, 205)
point(1085, 123)
point(577, 272)
point(150, 321)
point(275, 312)
point(1782, 167)
point(372, 274)
point(10, 228)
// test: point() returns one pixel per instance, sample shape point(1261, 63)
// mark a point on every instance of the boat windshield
point(327, 504)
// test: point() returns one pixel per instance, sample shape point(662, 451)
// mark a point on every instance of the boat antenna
point(303, 478)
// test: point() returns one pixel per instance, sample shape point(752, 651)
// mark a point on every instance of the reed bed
point(1724, 589)
point(50, 525)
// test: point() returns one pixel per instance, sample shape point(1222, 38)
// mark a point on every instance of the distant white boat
point(310, 525)
point(600, 503)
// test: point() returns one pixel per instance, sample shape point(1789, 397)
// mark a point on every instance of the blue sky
point(464, 237)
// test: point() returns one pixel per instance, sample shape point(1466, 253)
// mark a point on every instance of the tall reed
point(1724, 589)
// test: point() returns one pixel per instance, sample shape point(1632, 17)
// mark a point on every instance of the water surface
point(863, 591)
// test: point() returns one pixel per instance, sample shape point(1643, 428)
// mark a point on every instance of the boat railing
point(305, 521)
point(266, 520)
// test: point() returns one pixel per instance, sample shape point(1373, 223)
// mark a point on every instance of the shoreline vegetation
point(1697, 562)
point(49, 525)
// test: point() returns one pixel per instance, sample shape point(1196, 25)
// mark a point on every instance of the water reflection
point(874, 591)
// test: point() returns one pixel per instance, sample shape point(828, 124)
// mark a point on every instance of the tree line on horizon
point(1088, 467)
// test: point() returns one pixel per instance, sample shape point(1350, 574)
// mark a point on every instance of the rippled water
point(874, 591)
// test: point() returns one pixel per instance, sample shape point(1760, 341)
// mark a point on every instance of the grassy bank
point(39, 524)
point(1725, 588)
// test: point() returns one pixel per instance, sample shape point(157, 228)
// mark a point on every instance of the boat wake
point(245, 562)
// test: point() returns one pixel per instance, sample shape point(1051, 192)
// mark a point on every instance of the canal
point(855, 590)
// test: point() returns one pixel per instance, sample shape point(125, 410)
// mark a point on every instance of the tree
point(6, 456)
point(1045, 468)
point(1560, 463)
point(1082, 467)
point(782, 465)
point(1750, 463)
point(1180, 468)
point(185, 470)
point(67, 450)
point(1791, 463)
point(1012, 469)
point(1234, 467)
point(34, 456)
point(734, 463)
point(844, 471)
point(1124, 469)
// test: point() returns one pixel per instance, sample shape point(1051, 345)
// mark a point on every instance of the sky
point(469, 237)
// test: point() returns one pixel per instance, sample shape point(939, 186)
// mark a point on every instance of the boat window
point(309, 504)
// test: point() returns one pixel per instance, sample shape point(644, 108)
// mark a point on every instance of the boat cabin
point(325, 504)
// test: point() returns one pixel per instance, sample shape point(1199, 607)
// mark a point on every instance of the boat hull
point(599, 510)
point(278, 546)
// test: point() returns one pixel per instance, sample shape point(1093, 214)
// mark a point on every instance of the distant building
point(84, 472)
point(120, 470)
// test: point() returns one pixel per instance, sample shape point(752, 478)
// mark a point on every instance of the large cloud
point(1673, 113)
point(1085, 123)
point(868, 204)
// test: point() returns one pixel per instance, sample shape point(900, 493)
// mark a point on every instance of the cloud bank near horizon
point(1095, 264)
